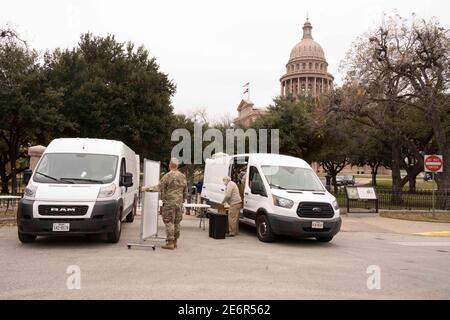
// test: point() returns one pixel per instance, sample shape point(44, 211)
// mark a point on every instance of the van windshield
point(76, 168)
point(292, 178)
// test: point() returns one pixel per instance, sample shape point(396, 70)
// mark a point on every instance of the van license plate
point(317, 225)
point(61, 227)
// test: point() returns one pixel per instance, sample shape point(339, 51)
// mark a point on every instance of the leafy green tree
point(368, 148)
point(113, 90)
point(26, 105)
point(402, 66)
point(297, 124)
point(336, 134)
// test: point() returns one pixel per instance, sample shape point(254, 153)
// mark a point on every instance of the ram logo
point(62, 209)
point(317, 210)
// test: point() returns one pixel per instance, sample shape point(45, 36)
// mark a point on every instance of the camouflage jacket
point(172, 188)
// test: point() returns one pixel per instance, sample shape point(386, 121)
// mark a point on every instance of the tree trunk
point(443, 188)
point(13, 179)
point(442, 179)
point(4, 178)
point(333, 174)
point(374, 173)
point(397, 187)
point(412, 183)
point(13, 165)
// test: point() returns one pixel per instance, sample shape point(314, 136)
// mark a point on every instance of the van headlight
point(282, 202)
point(30, 191)
point(106, 192)
point(335, 205)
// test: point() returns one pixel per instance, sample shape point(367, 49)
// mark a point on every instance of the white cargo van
point(282, 195)
point(80, 186)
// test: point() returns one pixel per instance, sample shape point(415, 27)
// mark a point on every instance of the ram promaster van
point(80, 186)
point(282, 195)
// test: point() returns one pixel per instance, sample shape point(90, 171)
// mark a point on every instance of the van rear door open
point(215, 170)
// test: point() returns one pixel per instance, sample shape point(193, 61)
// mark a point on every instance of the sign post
point(433, 163)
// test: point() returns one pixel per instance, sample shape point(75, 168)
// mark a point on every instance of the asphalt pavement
point(405, 265)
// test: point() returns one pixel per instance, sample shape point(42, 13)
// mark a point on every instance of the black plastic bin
point(218, 225)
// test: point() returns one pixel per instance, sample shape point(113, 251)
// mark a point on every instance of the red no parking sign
point(433, 163)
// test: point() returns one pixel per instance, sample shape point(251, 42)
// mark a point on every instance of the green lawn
point(385, 182)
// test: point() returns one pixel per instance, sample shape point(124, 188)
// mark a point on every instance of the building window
point(310, 66)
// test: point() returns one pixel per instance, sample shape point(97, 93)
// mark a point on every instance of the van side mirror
point(257, 188)
point(126, 180)
point(27, 176)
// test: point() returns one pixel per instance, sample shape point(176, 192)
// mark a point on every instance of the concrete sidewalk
point(374, 223)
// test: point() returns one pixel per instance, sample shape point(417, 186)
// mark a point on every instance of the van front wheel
point(324, 239)
point(132, 214)
point(263, 229)
point(114, 236)
point(26, 238)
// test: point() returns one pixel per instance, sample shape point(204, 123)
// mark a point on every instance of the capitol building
point(307, 69)
point(306, 75)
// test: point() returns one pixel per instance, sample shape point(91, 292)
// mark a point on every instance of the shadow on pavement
point(285, 240)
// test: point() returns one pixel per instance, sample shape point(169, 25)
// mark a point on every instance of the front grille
point(315, 210)
point(49, 210)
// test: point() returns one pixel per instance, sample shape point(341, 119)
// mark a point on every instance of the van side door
point(127, 195)
point(254, 193)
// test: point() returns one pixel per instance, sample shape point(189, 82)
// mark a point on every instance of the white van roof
point(269, 159)
point(85, 145)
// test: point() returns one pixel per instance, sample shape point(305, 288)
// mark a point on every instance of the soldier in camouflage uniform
point(173, 193)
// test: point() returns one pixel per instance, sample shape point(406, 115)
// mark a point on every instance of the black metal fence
point(8, 206)
point(20, 184)
point(388, 200)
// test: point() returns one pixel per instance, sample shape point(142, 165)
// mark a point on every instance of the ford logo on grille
point(317, 210)
point(62, 209)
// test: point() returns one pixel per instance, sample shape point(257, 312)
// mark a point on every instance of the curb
point(434, 234)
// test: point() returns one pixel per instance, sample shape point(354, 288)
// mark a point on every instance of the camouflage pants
point(172, 217)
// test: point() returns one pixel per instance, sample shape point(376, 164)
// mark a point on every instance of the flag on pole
point(247, 90)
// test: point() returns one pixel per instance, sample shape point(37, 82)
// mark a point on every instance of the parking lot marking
point(424, 244)
point(434, 234)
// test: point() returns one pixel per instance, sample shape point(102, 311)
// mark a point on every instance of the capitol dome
point(307, 48)
point(306, 70)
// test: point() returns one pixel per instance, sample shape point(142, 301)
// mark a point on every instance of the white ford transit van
point(282, 195)
point(80, 186)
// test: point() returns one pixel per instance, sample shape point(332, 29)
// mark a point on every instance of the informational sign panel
point(150, 206)
point(366, 193)
point(361, 193)
point(433, 163)
point(352, 193)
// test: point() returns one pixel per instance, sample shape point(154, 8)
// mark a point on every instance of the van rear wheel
point(263, 229)
point(114, 236)
point(26, 238)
